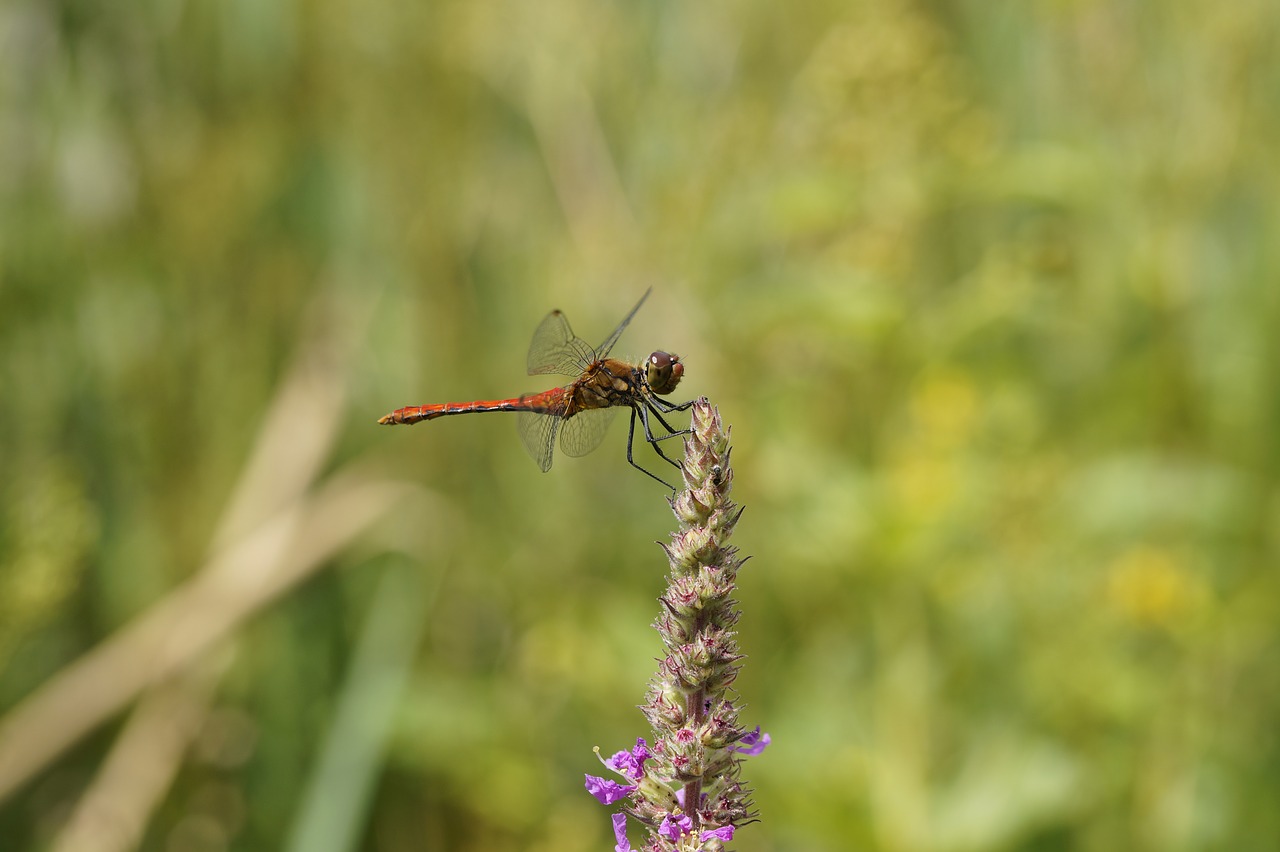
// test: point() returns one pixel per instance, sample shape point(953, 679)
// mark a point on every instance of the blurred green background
point(988, 292)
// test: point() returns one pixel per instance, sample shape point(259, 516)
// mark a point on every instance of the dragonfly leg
point(666, 406)
point(631, 434)
point(671, 433)
point(644, 413)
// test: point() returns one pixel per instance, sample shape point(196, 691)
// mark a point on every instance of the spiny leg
point(631, 435)
point(671, 433)
point(666, 406)
point(648, 431)
point(659, 406)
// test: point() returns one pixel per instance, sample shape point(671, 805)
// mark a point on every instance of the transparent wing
point(538, 433)
point(556, 349)
point(584, 431)
point(604, 348)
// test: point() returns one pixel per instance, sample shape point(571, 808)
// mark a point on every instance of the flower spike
point(685, 789)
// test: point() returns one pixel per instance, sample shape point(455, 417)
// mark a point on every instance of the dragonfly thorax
point(605, 383)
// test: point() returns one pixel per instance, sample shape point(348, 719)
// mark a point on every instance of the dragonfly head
point(663, 371)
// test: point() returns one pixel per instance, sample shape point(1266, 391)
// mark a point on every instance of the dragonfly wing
point(556, 349)
point(584, 431)
point(538, 433)
point(603, 351)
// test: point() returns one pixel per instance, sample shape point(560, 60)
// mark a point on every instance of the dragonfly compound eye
point(663, 372)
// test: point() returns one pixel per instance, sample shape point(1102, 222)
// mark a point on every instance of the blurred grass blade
point(174, 632)
point(340, 790)
point(113, 814)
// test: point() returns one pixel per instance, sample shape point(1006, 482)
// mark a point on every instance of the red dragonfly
point(581, 410)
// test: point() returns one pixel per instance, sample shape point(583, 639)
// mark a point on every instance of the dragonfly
point(580, 411)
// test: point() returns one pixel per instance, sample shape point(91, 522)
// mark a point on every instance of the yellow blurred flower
point(944, 408)
point(925, 471)
point(1152, 586)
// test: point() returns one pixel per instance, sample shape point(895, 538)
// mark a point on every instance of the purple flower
point(620, 832)
point(724, 832)
point(753, 743)
point(608, 791)
point(631, 764)
point(673, 828)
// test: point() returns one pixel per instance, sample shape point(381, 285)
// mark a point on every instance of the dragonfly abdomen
point(540, 403)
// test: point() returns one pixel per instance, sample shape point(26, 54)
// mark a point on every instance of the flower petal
point(753, 743)
point(724, 832)
point(620, 833)
point(607, 791)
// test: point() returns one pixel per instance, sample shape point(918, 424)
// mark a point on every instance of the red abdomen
point(546, 402)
